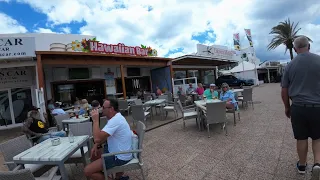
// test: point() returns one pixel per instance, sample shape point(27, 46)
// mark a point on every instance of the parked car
point(233, 81)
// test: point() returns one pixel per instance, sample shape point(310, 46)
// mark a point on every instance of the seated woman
point(84, 107)
point(200, 89)
point(211, 92)
point(228, 96)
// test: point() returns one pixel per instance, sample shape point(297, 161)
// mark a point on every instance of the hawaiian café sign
point(94, 46)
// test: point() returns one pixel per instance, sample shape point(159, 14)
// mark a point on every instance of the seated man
point(211, 92)
point(35, 127)
point(117, 134)
point(190, 89)
point(57, 110)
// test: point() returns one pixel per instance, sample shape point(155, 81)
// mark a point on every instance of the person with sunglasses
point(228, 96)
point(117, 137)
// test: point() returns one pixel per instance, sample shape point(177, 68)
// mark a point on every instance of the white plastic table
point(237, 90)
point(46, 154)
point(154, 103)
point(74, 120)
point(204, 102)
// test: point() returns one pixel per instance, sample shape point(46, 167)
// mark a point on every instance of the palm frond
point(284, 33)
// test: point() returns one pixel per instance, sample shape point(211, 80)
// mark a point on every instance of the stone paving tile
point(190, 173)
point(259, 147)
point(250, 174)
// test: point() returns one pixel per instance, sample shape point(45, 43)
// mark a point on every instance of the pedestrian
point(301, 84)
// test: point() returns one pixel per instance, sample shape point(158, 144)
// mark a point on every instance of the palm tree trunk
point(291, 53)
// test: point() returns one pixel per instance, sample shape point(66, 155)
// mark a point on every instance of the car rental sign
point(17, 47)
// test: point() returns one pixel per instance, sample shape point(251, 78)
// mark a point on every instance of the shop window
point(79, 73)
point(21, 103)
point(5, 114)
point(194, 73)
point(179, 74)
point(209, 77)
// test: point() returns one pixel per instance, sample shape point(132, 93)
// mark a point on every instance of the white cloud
point(43, 30)
point(66, 30)
point(171, 24)
point(10, 25)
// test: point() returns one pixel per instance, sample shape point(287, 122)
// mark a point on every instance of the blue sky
point(171, 27)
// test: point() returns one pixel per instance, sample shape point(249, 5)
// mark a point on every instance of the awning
point(193, 60)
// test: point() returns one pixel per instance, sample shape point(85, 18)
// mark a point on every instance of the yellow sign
point(40, 124)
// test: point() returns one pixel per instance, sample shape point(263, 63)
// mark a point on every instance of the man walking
point(301, 84)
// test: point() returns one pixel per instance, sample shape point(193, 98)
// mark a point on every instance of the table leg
point(161, 113)
point(151, 111)
point(198, 119)
point(63, 171)
point(83, 156)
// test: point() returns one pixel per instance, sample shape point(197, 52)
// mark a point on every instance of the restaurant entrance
point(67, 92)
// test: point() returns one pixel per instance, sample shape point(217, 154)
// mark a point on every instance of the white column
point(216, 73)
point(11, 107)
point(268, 75)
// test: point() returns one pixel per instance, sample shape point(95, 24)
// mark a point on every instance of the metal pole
point(255, 66)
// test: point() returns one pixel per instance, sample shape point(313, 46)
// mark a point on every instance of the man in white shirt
point(57, 110)
point(116, 133)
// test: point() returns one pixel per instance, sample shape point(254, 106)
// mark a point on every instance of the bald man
point(301, 84)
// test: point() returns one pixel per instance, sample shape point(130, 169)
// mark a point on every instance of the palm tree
point(285, 33)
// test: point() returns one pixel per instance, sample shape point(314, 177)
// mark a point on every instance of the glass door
point(5, 111)
point(21, 103)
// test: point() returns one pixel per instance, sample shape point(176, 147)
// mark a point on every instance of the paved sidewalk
point(260, 147)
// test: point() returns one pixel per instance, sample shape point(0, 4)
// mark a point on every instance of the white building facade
point(18, 73)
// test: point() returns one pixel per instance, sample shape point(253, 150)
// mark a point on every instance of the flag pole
point(255, 66)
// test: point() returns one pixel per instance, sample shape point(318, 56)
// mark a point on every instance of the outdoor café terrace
point(259, 145)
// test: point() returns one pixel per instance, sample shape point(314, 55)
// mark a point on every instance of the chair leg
point(166, 115)
point(141, 169)
point(208, 129)
point(234, 118)
point(252, 105)
point(225, 127)
point(239, 115)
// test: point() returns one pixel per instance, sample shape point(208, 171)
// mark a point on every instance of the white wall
point(43, 40)
point(97, 72)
